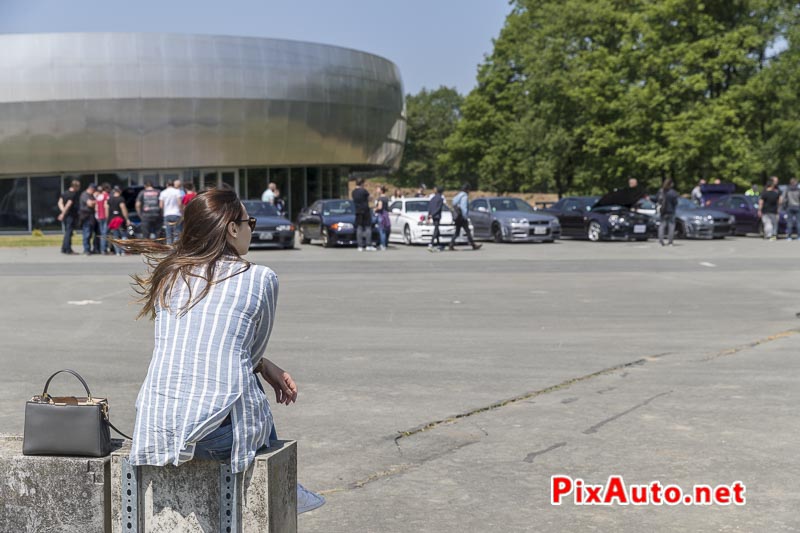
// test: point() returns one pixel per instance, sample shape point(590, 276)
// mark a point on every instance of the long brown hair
point(203, 242)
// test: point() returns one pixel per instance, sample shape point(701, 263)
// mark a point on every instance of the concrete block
point(53, 494)
point(191, 498)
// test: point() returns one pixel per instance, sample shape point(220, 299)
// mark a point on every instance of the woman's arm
point(280, 381)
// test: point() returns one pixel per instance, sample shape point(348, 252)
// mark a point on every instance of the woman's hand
point(280, 380)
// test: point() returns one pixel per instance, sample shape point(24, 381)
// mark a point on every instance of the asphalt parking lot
point(440, 392)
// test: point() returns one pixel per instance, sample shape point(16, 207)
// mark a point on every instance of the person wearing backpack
point(461, 217)
point(435, 207)
point(149, 209)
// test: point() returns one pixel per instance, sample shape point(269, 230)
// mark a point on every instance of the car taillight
point(422, 218)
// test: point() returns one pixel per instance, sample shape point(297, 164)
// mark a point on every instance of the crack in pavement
point(530, 456)
point(741, 347)
point(515, 399)
point(597, 426)
point(400, 469)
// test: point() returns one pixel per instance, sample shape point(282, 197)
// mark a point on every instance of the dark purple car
point(745, 209)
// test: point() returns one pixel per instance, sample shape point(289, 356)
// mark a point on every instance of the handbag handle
point(85, 386)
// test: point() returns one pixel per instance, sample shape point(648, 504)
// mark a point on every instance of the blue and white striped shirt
point(202, 369)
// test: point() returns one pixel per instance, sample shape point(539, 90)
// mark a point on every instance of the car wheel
point(680, 230)
point(327, 242)
point(594, 231)
point(497, 233)
point(407, 235)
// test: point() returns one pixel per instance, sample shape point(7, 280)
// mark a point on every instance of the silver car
point(509, 219)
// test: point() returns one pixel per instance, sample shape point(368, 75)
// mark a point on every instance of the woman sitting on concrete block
point(213, 314)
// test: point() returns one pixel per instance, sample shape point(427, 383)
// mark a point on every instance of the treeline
point(579, 95)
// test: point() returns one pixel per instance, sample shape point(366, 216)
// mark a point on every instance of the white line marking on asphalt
point(707, 264)
point(84, 302)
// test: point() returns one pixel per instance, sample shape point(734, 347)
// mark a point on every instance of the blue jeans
point(87, 227)
point(217, 445)
point(172, 227)
point(791, 222)
point(103, 234)
point(69, 226)
point(382, 232)
point(119, 234)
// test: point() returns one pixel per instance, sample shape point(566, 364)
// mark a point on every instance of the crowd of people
point(366, 217)
point(98, 212)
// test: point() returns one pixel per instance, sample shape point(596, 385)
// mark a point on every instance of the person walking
point(791, 199)
point(118, 219)
point(363, 217)
point(86, 210)
point(101, 216)
point(382, 215)
point(148, 207)
point(68, 214)
point(667, 204)
point(461, 214)
point(435, 207)
point(169, 201)
point(768, 208)
point(213, 315)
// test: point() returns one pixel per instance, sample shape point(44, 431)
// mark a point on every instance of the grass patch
point(31, 241)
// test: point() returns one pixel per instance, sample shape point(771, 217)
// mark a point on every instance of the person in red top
point(101, 214)
point(190, 192)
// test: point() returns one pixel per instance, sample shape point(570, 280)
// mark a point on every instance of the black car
point(272, 229)
point(331, 221)
point(607, 218)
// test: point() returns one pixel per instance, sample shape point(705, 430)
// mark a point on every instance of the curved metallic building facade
point(103, 101)
point(125, 108)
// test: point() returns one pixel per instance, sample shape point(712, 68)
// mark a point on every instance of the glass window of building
point(45, 192)
point(297, 198)
point(14, 204)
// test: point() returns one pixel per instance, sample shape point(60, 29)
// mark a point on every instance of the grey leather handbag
point(67, 425)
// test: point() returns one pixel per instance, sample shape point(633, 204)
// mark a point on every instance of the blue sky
point(434, 42)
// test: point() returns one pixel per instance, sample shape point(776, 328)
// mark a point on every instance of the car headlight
point(341, 226)
point(519, 221)
point(555, 222)
point(613, 219)
point(732, 220)
point(285, 227)
point(697, 219)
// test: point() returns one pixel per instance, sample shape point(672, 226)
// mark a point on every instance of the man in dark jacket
point(363, 217)
point(435, 207)
point(668, 204)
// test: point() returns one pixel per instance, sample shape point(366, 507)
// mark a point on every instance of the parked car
point(331, 221)
point(272, 230)
point(695, 222)
point(410, 223)
point(130, 194)
point(508, 219)
point(745, 211)
point(609, 218)
point(712, 192)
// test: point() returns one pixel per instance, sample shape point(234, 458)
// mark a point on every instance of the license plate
point(639, 228)
point(265, 236)
point(540, 230)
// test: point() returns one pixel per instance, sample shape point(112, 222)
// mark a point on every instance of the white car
point(410, 224)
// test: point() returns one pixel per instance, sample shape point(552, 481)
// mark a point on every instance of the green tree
point(431, 117)
point(578, 95)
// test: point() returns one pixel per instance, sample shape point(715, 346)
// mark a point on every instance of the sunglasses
point(251, 221)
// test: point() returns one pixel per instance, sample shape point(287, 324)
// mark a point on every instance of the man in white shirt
point(172, 208)
point(269, 194)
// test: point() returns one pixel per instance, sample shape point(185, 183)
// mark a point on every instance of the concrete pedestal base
point(63, 494)
point(192, 497)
